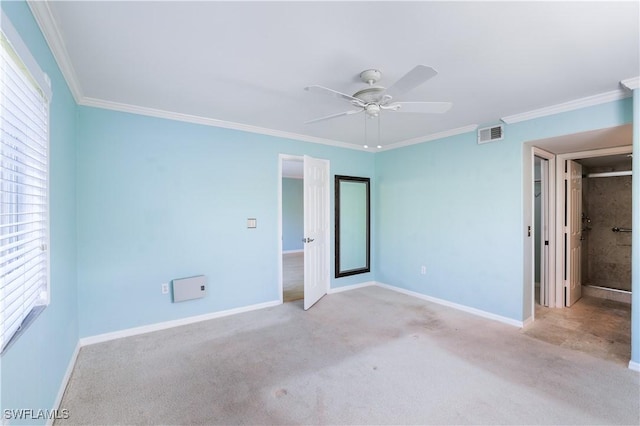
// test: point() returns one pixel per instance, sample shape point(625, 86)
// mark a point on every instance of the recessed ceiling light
point(379, 146)
point(366, 146)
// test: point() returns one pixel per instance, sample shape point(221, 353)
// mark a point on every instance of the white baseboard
point(65, 381)
point(464, 308)
point(99, 338)
point(350, 287)
point(635, 366)
point(292, 251)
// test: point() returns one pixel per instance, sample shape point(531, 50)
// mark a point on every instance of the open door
point(573, 232)
point(316, 230)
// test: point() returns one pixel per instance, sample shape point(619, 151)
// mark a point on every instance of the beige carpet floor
point(367, 356)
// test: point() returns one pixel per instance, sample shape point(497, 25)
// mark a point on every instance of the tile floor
point(593, 325)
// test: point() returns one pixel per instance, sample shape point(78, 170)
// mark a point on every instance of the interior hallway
point(292, 276)
point(598, 327)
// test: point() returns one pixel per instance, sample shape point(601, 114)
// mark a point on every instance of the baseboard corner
point(458, 306)
point(351, 287)
point(527, 322)
point(65, 381)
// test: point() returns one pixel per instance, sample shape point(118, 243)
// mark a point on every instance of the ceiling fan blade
point(336, 94)
point(340, 114)
point(410, 80)
point(421, 107)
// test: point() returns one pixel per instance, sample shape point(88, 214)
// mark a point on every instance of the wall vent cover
point(490, 134)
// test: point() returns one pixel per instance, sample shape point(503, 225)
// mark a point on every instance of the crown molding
point(631, 83)
point(44, 18)
point(614, 95)
point(169, 115)
point(431, 137)
point(51, 32)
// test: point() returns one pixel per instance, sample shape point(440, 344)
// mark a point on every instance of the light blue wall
point(457, 207)
point(292, 214)
point(446, 205)
point(160, 199)
point(33, 368)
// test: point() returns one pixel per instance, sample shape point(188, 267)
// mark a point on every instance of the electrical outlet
point(423, 270)
point(165, 288)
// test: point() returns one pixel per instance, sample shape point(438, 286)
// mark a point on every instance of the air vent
point(490, 134)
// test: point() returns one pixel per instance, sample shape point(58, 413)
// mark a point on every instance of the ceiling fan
point(374, 99)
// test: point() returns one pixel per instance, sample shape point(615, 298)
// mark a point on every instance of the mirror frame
point(367, 267)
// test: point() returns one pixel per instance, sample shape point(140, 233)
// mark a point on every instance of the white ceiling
point(245, 64)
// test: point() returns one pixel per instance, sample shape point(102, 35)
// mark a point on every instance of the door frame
point(549, 204)
point(559, 214)
point(298, 158)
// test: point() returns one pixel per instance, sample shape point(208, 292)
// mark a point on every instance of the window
point(24, 183)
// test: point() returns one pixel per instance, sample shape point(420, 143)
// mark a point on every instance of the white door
point(316, 230)
point(573, 233)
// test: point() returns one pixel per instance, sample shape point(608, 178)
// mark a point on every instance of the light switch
point(252, 223)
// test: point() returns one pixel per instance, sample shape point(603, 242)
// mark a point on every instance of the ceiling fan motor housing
point(370, 94)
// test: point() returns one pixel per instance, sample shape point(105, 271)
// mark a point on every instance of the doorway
point(579, 196)
point(303, 202)
point(292, 182)
point(579, 318)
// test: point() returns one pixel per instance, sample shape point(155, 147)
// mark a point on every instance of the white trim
point(335, 290)
point(99, 338)
point(432, 137)
point(631, 83)
point(614, 95)
point(464, 308)
point(65, 381)
point(635, 366)
point(44, 18)
point(292, 251)
point(170, 115)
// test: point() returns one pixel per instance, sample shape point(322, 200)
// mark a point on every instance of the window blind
point(24, 199)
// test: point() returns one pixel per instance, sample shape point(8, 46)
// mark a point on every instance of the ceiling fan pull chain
point(379, 118)
point(365, 131)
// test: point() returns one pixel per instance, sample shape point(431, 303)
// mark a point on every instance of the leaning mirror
point(352, 225)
